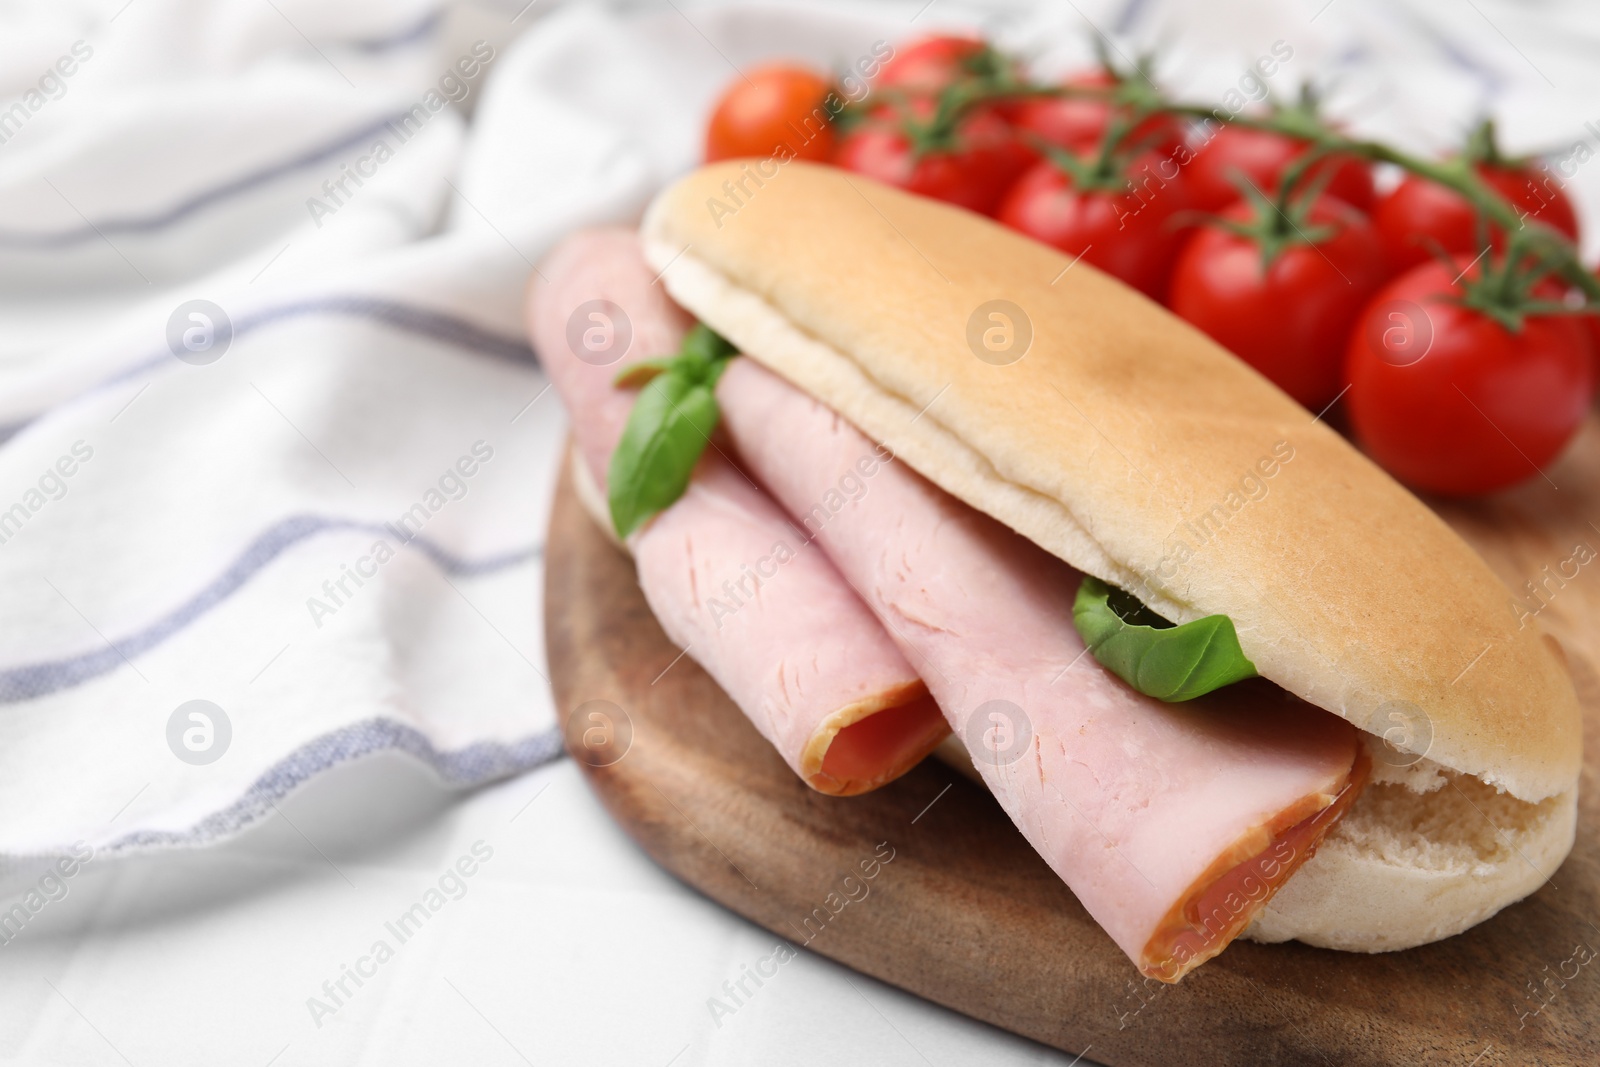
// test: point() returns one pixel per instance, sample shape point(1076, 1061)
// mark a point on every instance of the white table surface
point(568, 946)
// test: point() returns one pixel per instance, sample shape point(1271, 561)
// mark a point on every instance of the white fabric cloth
point(203, 547)
point(154, 153)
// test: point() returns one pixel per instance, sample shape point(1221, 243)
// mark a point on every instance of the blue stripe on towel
point(434, 325)
point(411, 35)
point(477, 763)
point(1132, 11)
point(405, 318)
point(34, 680)
point(408, 318)
point(95, 231)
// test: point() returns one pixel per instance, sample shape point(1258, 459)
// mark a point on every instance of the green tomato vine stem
point(1530, 244)
point(1524, 235)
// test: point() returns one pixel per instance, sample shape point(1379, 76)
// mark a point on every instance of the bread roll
point(1116, 436)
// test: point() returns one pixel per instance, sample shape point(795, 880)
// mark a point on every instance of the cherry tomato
point(774, 110)
point(1263, 156)
point(974, 172)
point(1419, 214)
point(1291, 320)
point(1077, 123)
point(1451, 401)
point(1592, 320)
point(1128, 233)
point(931, 64)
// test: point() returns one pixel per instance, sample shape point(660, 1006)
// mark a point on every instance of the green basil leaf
point(636, 374)
point(1171, 663)
point(701, 356)
point(704, 343)
point(667, 430)
point(713, 373)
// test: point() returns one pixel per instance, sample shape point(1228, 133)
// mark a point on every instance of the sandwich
point(948, 487)
point(802, 657)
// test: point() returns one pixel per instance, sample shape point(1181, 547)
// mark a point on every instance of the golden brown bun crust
point(1130, 445)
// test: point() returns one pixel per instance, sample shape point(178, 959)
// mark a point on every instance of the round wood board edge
point(965, 914)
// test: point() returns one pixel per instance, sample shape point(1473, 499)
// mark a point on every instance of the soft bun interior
point(1404, 868)
point(1423, 854)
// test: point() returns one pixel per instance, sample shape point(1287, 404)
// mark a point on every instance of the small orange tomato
point(774, 110)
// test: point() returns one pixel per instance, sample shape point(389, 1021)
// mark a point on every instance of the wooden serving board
point(967, 915)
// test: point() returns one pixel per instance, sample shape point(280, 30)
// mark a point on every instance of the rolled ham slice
point(1172, 823)
point(729, 578)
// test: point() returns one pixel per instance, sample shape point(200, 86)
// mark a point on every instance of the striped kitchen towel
point(274, 453)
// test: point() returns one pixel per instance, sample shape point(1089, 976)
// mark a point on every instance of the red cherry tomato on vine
point(1129, 235)
point(1077, 123)
point(1592, 321)
point(1263, 156)
point(974, 172)
point(1418, 215)
point(1450, 400)
point(774, 110)
point(931, 64)
point(1291, 320)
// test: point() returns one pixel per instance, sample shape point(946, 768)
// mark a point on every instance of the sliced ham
point(1172, 823)
point(728, 576)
